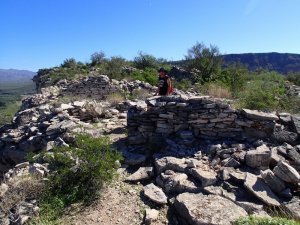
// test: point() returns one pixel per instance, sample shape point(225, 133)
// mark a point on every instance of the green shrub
point(148, 75)
point(204, 61)
point(79, 174)
point(69, 63)
point(143, 61)
point(183, 84)
point(114, 67)
point(253, 220)
point(294, 77)
point(8, 111)
point(233, 77)
point(265, 92)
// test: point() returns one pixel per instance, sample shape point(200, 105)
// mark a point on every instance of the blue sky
point(42, 33)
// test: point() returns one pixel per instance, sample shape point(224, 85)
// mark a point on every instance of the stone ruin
point(206, 118)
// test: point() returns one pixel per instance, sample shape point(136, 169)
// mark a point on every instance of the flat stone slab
point(155, 194)
point(198, 209)
point(258, 115)
point(207, 177)
point(170, 163)
point(143, 173)
point(261, 190)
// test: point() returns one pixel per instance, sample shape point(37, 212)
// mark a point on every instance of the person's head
point(162, 72)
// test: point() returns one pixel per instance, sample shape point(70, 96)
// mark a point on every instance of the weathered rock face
point(199, 209)
point(197, 117)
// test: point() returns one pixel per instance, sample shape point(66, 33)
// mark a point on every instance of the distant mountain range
point(12, 75)
point(283, 63)
point(280, 62)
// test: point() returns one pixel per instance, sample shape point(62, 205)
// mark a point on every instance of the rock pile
point(246, 176)
point(44, 120)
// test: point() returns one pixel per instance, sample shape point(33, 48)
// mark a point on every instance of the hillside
point(280, 62)
point(12, 75)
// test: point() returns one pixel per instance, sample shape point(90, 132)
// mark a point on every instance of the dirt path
point(121, 203)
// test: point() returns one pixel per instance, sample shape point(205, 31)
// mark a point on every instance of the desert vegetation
point(253, 89)
point(80, 172)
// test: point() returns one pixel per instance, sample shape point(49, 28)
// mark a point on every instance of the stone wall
point(198, 117)
point(96, 87)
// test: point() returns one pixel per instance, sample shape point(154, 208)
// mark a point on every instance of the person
point(164, 83)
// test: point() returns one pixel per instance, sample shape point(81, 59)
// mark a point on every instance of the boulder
point(205, 175)
point(259, 158)
point(286, 173)
point(155, 194)
point(275, 183)
point(143, 173)
point(197, 209)
point(261, 190)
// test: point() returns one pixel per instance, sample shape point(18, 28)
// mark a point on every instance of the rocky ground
point(185, 180)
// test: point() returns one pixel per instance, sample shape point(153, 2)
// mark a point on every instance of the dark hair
point(162, 70)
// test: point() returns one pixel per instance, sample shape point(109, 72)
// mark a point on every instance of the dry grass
point(115, 98)
point(217, 91)
point(19, 189)
point(140, 94)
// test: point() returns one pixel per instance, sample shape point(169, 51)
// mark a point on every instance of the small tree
point(234, 77)
point(69, 63)
point(143, 61)
point(205, 62)
point(97, 58)
point(114, 67)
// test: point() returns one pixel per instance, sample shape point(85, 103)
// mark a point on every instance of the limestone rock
point(259, 158)
point(3, 189)
point(261, 190)
point(259, 115)
point(199, 209)
point(155, 194)
point(275, 183)
point(170, 163)
point(173, 182)
point(143, 173)
point(286, 173)
point(296, 123)
point(133, 159)
point(206, 176)
point(293, 208)
point(285, 136)
point(151, 216)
